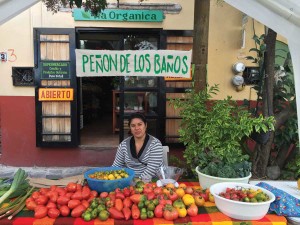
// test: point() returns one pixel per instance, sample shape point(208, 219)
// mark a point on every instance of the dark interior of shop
point(96, 103)
point(97, 112)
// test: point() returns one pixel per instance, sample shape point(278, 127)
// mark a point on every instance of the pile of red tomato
point(244, 195)
point(141, 201)
point(56, 201)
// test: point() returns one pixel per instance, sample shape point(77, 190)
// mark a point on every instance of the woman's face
point(138, 127)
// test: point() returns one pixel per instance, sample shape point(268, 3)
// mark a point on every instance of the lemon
point(111, 177)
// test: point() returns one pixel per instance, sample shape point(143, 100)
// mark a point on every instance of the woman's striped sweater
point(147, 164)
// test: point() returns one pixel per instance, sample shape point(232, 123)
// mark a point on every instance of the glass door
point(141, 94)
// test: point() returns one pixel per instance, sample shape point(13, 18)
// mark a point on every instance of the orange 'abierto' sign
point(56, 94)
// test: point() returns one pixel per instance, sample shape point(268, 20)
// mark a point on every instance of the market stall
point(207, 214)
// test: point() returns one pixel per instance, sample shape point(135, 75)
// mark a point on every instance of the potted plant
point(213, 133)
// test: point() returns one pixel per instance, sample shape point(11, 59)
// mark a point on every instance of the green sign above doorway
point(120, 15)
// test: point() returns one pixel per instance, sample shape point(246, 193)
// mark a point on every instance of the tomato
point(64, 210)
point(73, 203)
point(31, 205)
point(135, 212)
point(77, 195)
point(103, 215)
point(136, 198)
point(61, 191)
point(182, 212)
point(51, 205)
point(103, 194)
point(188, 199)
point(53, 196)
point(205, 196)
point(115, 214)
point(127, 213)
point(53, 213)
point(170, 213)
point(78, 187)
point(182, 185)
point(151, 206)
point(173, 196)
point(44, 191)
point(30, 199)
point(157, 191)
point(180, 192)
point(77, 211)
point(35, 195)
point(158, 211)
point(170, 186)
point(119, 204)
point(126, 192)
point(178, 203)
point(62, 200)
point(41, 200)
point(147, 190)
point(150, 196)
point(127, 202)
point(71, 187)
point(192, 210)
point(40, 212)
point(150, 214)
point(199, 201)
point(189, 190)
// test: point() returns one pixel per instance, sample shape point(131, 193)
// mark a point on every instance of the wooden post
point(200, 42)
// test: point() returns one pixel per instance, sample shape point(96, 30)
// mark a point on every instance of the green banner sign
point(120, 15)
point(55, 70)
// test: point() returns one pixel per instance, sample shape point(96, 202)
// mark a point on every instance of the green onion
point(19, 177)
point(20, 205)
point(15, 206)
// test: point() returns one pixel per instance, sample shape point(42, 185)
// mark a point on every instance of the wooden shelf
point(116, 111)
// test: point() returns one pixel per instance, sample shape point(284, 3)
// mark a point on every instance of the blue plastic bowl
point(108, 185)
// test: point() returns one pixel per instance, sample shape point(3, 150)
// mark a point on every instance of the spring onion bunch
point(17, 191)
point(17, 184)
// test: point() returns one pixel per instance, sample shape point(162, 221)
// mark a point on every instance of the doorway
point(97, 113)
point(96, 98)
point(104, 107)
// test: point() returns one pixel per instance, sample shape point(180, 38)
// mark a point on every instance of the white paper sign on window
point(163, 63)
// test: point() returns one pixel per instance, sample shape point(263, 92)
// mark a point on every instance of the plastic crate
point(108, 185)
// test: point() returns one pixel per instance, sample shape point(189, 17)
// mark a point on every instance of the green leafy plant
point(294, 166)
point(213, 132)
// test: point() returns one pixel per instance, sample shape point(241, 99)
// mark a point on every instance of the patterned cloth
point(284, 204)
point(207, 215)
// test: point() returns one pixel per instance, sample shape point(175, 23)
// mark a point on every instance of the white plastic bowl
point(206, 181)
point(240, 210)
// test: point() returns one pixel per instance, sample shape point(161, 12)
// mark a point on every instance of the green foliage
point(294, 166)
point(94, 6)
point(212, 131)
point(283, 92)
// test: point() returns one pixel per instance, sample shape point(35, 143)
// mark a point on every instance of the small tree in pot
point(213, 133)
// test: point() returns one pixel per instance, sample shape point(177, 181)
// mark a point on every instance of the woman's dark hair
point(136, 116)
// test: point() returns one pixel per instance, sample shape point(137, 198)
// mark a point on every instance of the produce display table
point(209, 214)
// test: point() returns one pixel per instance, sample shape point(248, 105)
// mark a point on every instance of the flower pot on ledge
point(206, 181)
